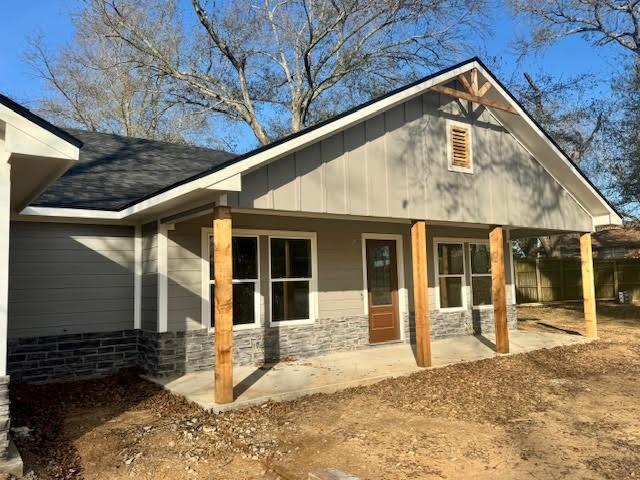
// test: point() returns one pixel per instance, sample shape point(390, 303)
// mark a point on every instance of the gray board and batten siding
point(395, 165)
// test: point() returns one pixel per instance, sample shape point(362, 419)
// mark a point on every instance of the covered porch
point(447, 272)
point(288, 380)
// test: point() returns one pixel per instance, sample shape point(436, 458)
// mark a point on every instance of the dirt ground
point(569, 412)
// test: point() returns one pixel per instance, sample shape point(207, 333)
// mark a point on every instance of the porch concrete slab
point(336, 371)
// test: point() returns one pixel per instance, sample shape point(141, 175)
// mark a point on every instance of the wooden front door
point(382, 286)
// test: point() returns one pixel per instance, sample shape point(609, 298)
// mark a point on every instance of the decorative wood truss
point(474, 92)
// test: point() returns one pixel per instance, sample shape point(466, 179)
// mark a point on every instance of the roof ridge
point(151, 140)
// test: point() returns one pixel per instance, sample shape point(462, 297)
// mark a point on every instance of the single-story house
point(391, 222)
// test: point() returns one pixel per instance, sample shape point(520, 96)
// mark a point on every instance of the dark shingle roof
point(114, 171)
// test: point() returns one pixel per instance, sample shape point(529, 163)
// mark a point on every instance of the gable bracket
point(452, 92)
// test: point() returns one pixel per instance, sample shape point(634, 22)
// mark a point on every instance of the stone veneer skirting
point(73, 356)
point(69, 357)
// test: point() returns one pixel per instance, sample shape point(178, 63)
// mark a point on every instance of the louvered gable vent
point(460, 156)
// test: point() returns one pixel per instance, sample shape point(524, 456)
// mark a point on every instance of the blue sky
point(51, 18)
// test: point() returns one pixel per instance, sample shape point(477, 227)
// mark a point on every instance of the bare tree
point(566, 111)
point(279, 65)
point(93, 84)
point(601, 22)
point(614, 23)
point(623, 162)
point(575, 120)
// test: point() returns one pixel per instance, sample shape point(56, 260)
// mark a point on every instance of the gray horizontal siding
point(66, 278)
point(395, 165)
point(339, 264)
point(340, 268)
point(184, 271)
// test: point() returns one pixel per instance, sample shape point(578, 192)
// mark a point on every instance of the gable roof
point(529, 132)
point(41, 122)
point(114, 171)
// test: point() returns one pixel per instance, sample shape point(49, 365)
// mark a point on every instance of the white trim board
point(163, 279)
point(137, 278)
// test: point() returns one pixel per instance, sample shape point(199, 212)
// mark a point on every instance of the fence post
point(616, 281)
point(562, 288)
point(538, 281)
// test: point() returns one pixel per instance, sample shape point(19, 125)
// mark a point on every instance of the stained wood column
point(588, 287)
point(498, 288)
point(420, 292)
point(223, 304)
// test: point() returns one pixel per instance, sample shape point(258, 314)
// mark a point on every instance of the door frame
point(403, 298)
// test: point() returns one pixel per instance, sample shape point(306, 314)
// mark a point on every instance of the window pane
point(450, 292)
point(481, 289)
point(290, 300)
point(243, 303)
point(380, 274)
point(245, 258)
point(480, 258)
point(290, 258)
point(450, 259)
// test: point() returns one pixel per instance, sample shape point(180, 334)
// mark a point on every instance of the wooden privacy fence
point(555, 279)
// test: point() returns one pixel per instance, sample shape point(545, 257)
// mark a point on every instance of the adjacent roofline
point(295, 141)
point(41, 122)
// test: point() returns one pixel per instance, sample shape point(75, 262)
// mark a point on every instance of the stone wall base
point(10, 460)
point(71, 357)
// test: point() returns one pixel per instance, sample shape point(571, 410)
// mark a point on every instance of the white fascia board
point(22, 136)
point(231, 184)
point(71, 213)
point(605, 220)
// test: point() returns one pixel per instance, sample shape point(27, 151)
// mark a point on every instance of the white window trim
point(137, 278)
point(471, 274)
point(163, 276)
point(313, 280)
point(206, 281)
point(450, 165)
point(465, 293)
point(403, 297)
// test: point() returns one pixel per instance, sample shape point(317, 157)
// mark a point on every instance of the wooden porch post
point(420, 292)
point(223, 304)
point(498, 288)
point(588, 287)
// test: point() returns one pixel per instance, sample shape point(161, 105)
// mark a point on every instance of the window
point(291, 278)
point(459, 147)
point(451, 274)
point(246, 295)
point(480, 274)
